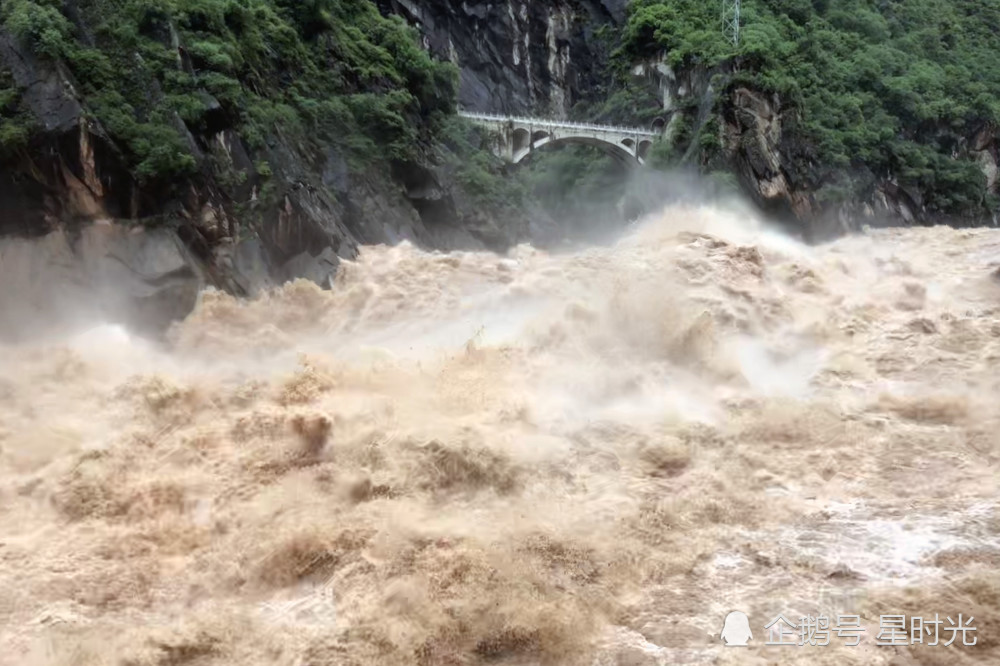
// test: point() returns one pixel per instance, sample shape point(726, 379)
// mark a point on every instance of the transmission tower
point(731, 20)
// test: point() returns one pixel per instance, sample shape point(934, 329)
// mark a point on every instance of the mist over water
point(580, 457)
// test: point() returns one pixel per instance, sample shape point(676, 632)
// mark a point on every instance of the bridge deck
point(558, 124)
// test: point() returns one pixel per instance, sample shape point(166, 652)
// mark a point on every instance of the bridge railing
point(490, 117)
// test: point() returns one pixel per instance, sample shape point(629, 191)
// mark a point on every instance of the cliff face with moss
point(261, 140)
point(832, 114)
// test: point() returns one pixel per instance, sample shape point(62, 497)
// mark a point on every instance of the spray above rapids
point(581, 458)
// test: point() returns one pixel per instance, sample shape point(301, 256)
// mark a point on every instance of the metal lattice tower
point(731, 20)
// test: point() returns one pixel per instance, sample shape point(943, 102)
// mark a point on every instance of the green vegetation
point(663, 153)
point(15, 124)
point(576, 184)
point(628, 104)
point(689, 32)
point(476, 169)
point(330, 70)
point(883, 86)
point(894, 86)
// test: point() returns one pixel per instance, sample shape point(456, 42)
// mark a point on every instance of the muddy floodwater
point(581, 458)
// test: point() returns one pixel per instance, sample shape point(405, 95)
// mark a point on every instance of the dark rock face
point(781, 173)
point(45, 88)
point(517, 56)
point(771, 165)
point(74, 172)
point(142, 278)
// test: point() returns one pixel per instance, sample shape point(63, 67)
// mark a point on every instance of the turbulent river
point(579, 458)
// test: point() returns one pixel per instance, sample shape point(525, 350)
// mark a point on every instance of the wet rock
point(321, 269)
point(250, 267)
point(142, 278)
point(763, 151)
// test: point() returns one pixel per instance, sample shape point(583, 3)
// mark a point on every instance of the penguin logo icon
point(736, 631)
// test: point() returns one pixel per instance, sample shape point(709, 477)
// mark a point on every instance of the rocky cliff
point(252, 213)
point(520, 56)
point(832, 115)
point(781, 172)
point(717, 122)
point(557, 59)
point(247, 216)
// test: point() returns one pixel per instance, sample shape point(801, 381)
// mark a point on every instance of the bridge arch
point(620, 153)
point(519, 137)
point(522, 140)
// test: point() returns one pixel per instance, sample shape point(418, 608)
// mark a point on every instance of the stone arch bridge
point(518, 137)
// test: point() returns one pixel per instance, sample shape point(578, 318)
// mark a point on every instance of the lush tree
point(891, 85)
point(335, 70)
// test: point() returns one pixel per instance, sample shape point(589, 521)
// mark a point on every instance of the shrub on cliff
point(335, 71)
point(15, 123)
point(891, 86)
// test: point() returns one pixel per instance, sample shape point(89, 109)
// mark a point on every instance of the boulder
point(102, 273)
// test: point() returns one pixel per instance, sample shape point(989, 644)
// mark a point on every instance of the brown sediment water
point(580, 458)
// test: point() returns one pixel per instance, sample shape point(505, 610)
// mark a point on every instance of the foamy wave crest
point(581, 458)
